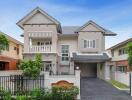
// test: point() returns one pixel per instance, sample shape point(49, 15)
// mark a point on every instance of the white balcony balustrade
point(40, 34)
point(40, 49)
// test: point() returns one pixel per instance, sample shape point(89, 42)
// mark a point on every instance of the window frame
point(122, 51)
point(65, 53)
point(121, 68)
point(89, 43)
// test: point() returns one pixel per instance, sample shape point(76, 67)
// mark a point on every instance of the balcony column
point(30, 45)
point(30, 42)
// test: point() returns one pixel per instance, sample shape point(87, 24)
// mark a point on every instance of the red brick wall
point(10, 63)
point(123, 63)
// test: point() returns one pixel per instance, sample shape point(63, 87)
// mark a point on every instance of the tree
point(129, 52)
point(4, 43)
point(32, 68)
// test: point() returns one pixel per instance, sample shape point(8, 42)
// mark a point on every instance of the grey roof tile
point(90, 58)
point(69, 29)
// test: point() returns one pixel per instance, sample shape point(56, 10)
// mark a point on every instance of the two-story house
point(10, 57)
point(119, 62)
point(67, 48)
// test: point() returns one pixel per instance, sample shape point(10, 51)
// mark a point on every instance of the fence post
point(77, 75)
point(46, 80)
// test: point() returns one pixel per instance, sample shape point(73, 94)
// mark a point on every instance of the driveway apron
point(96, 89)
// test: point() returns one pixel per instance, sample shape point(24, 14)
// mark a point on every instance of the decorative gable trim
point(33, 12)
point(88, 23)
point(103, 30)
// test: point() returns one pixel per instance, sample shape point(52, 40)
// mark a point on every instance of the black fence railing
point(18, 84)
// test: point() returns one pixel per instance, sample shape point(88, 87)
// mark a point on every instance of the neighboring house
point(10, 57)
point(119, 63)
point(65, 49)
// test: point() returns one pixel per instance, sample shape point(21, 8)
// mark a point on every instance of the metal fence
point(21, 84)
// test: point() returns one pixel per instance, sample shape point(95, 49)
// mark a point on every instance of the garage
point(87, 63)
point(88, 69)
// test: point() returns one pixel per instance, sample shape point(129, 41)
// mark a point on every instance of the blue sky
point(115, 15)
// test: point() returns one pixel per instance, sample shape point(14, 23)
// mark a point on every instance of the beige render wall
point(38, 18)
point(118, 57)
point(20, 51)
point(72, 42)
point(90, 27)
point(91, 32)
point(45, 24)
point(97, 36)
point(13, 53)
point(73, 47)
point(40, 28)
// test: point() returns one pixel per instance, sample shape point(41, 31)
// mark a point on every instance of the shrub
point(5, 95)
point(37, 94)
point(57, 93)
point(64, 93)
point(32, 68)
point(22, 97)
point(4, 43)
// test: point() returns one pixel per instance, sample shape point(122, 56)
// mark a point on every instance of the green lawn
point(118, 84)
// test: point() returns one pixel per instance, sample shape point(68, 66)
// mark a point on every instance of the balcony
point(40, 49)
point(40, 34)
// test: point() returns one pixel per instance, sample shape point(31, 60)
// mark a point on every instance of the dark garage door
point(88, 70)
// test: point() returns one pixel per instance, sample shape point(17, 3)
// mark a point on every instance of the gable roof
point(33, 12)
point(105, 31)
point(120, 44)
point(11, 39)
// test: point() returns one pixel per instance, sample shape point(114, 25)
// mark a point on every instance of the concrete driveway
point(96, 89)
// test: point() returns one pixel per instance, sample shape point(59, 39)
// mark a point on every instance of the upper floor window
point(65, 52)
point(122, 51)
point(89, 43)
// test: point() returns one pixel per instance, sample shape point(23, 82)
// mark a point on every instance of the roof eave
point(120, 44)
point(21, 22)
point(110, 34)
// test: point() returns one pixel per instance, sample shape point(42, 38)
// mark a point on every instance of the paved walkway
point(95, 89)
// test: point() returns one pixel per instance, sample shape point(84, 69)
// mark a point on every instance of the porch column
point(106, 71)
point(30, 42)
point(98, 70)
point(71, 67)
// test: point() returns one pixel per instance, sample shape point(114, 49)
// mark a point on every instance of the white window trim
point(89, 44)
point(65, 53)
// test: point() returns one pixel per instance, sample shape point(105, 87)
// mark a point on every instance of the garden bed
point(56, 93)
point(118, 85)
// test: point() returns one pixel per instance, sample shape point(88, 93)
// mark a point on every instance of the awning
point(90, 57)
